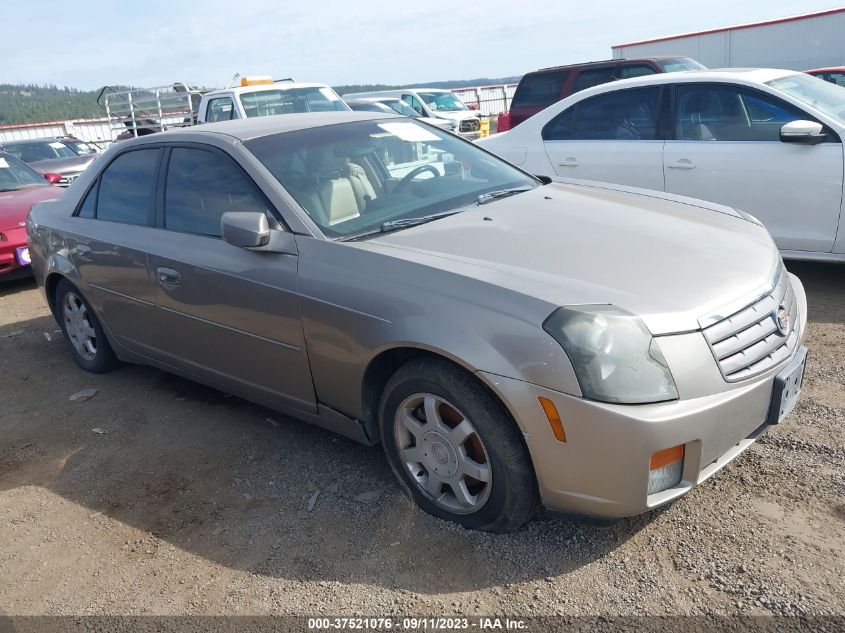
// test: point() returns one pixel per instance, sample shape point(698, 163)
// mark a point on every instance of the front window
point(442, 101)
point(352, 178)
point(678, 64)
point(821, 95)
point(15, 174)
point(34, 152)
point(291, 101)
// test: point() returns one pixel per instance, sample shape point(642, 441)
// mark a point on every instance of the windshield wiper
point(392, 225)
point(490, 196)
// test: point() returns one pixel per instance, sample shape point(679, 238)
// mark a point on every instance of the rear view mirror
point(245, 229)
point(807, 132)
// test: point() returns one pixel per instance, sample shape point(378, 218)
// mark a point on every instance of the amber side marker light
point(667, 456)
point(553, 416)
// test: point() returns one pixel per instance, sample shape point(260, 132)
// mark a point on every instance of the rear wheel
point(82, 330)
point(455, 449)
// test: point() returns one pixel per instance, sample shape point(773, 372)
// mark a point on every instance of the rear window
point(126, 187)
point(539, 89)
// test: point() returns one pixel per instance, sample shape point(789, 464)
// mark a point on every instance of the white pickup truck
point(147, 110)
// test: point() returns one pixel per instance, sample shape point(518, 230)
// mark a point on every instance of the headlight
point(614, 355)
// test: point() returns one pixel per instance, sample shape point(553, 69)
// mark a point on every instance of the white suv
point(768, 142)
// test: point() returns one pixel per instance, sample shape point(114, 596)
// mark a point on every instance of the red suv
point(540, 89)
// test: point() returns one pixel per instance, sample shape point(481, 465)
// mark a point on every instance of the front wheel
point(82, 330)
point(455, 449)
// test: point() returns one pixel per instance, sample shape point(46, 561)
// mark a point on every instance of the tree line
point(29, 103)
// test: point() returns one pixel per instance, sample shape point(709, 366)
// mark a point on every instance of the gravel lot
point(159, 496)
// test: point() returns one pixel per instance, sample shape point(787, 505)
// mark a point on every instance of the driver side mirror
point(52, 178)
point(806, 132)
point(245, 229)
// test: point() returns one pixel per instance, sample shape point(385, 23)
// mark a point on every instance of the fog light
point(666, 469)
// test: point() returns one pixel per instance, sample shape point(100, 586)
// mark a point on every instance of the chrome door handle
point(570, 161)
point(168, 276)
point(683, 163)
point(84, 252)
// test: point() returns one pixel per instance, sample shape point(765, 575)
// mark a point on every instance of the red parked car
point(20, 188)
point(540, 89)
point(833, 74)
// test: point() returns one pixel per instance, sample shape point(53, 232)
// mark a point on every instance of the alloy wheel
point(78, 326)
point(443, 453)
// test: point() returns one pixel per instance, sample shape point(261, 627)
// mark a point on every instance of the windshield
point(678, 64)
point(81, 148)
point(442, 101)
point(353, 177)
point(818, 93)
point(33, 152)
point(291, 101)
point(402, 108)
point(14, 174)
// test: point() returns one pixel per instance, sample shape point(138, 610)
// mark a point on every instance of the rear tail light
point(666, 469)
point(503, 122)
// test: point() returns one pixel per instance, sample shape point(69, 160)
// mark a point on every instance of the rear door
point(611, 137)
point(727, 149)
point(230, 315)
point(115, 223)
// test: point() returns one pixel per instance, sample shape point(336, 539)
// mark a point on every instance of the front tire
point(455, 449)
point(83, 332)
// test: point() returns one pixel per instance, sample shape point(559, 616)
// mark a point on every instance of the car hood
point(670, 262)
point(63, 166)
point(15, 205)
point(456, 115)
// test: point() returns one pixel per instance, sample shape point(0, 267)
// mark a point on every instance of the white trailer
point(799, 42)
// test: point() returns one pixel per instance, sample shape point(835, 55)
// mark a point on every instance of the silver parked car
point(510, 343)
point(51, 156)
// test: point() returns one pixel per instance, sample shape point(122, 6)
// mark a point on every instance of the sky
point(87, 44)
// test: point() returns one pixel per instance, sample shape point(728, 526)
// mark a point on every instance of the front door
point(728, 150)
point(611, 137)
point(230, 315)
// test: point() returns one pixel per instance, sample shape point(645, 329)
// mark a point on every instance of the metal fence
point(489, 100)
point(97, 131)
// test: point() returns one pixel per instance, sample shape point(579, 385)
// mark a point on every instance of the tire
point(484, 481)
point(82, 330)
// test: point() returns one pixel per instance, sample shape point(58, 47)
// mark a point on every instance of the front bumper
point(603, 468)
point(11, 264)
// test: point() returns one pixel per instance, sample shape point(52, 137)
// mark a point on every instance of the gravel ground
point(159, 496)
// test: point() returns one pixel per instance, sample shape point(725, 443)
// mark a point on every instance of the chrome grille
point(750, 342)
point(470, 125)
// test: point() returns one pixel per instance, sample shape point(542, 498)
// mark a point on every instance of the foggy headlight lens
point(614, 355)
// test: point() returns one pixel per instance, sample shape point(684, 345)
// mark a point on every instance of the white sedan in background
point(767, 142)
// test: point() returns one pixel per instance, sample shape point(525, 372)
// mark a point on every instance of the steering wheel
point(413, 174)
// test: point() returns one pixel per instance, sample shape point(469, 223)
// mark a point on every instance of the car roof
point(276, 85)
point(826, 69)
point(256, 127)
point(373, 99)
point(31, 141)
point(605, 62)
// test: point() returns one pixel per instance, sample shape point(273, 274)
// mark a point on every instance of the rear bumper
point(10, 265)
point(602, 470)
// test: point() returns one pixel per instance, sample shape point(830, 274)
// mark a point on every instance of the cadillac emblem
point(781, 317)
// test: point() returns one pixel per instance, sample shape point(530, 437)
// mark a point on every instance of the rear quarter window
point(539, 89)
